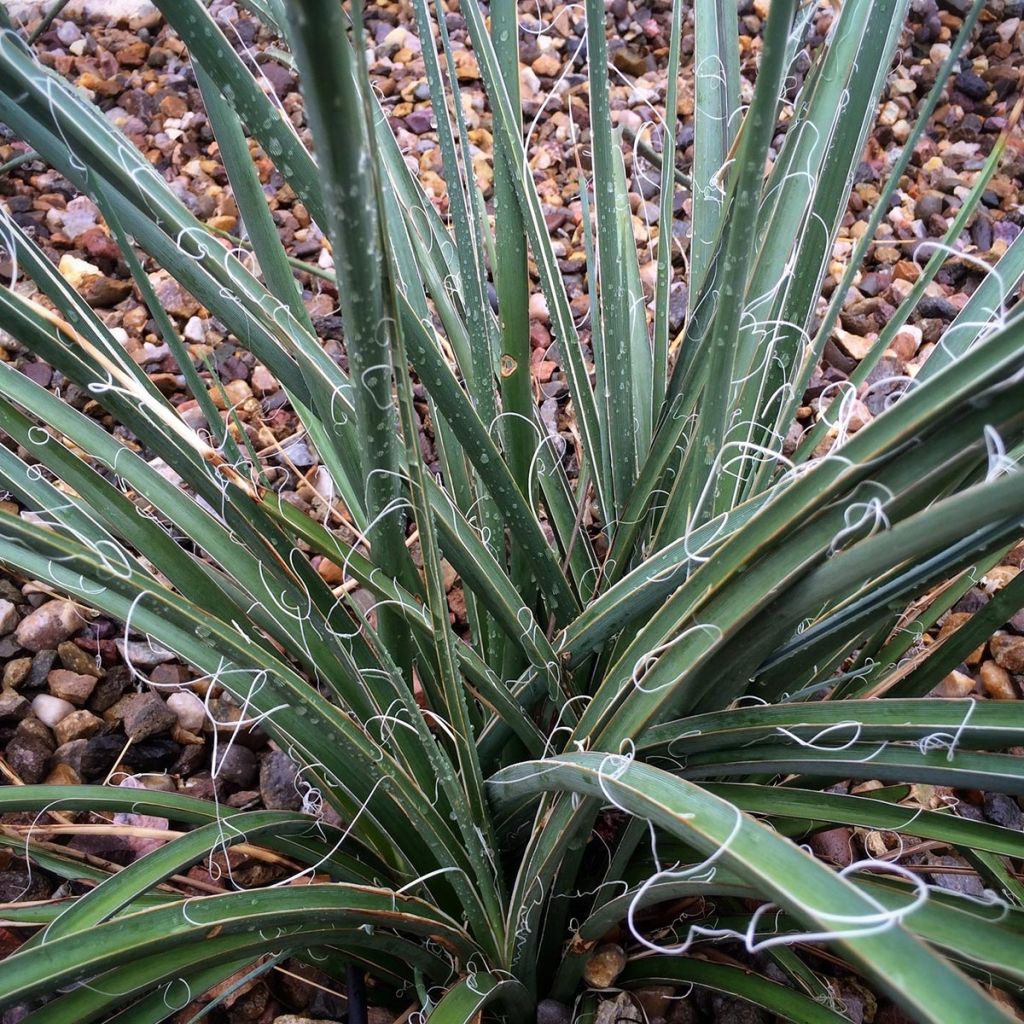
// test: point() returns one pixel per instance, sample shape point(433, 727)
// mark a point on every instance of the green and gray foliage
point(675, 672)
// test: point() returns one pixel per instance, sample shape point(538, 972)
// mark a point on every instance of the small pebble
point(997, 682)
point(606, 963)
point(147, 715)
point(237, 765)
point(71, 686)
point(79, 725)
point(74, 659)
point(13, 707)
point(8, 617)
point(142, 654)
point(956, 684)
point(1008, 652)
point(191, 711)
point(51, 710)
point(16, 670)
point(278, 782)
point(29, 750)
point(63, 775)
point(48, 625)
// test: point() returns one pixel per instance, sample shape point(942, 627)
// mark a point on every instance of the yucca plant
point(673, 651)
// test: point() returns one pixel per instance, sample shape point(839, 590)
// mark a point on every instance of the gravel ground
point(71, 709)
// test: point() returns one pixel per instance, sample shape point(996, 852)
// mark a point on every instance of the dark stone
point(278, 778)
point(736, 1011)
point(279, 77)
point(966, 884)
point(200, 785)
point(550, 1011)
point(981, 233)
point(330, 326)
point(929, 30)
point(190, 760)
point(28, 752)
point(237, 765)
point(155, 754)
point(139, 102)
point(113, 846)
point(971, 85)
point(109, 689)
point(147, 715)
point(20, 884)
point(244, 799)
point(1003, 810)
point(929, 205)
point(42, 662)
point(101, 754)
point(934, 306)
point(326, 1005)
point(419, 122)
point(38, 372)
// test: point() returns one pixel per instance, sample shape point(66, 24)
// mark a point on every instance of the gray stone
point(620, 1010)
point(71, 754)
point(143, 654)
point(1003, 810)
point(80, 215)
point(934, 306)
point(278, 777)
point(929, 205)
point(550, 1011)
point(291, 1018)
point(40, 669)
point(24, 884)
point(134, 12)
point(964, 882)
point(236, 764)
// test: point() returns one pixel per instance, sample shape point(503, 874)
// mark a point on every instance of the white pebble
point(195, 330)
point(190, 710)
point(51, 710)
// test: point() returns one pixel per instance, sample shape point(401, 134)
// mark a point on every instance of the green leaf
point(819, 809)
point(462, 1003)
point(994, 773)
point(299, 916)
point(735, 981)
point(824, 903)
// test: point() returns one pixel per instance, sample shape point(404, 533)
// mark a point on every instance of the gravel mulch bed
point(83, 702)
